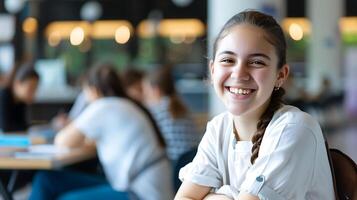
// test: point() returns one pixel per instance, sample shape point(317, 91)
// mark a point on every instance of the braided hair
point(274, 104)
point(275, 36)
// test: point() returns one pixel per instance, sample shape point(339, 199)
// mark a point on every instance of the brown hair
point(105, 78)
point(131, 77)
point(275, 36)
point(22, 73)
point(162, 78)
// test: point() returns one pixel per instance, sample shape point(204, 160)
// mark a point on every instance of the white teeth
point(240, 91)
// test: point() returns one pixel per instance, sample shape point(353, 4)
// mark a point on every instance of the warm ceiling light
point(77, 36)
point(54, 39)
point(181, 28)
point(147, 29)
point(107, 29)
point(348, 25)
point(29, 26)
point(122, 35)
point(103, 29)
point(303, 23)
point(171, 28)
point(64, 29)
point(296, 32)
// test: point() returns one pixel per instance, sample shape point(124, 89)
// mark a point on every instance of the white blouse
point(292, 161)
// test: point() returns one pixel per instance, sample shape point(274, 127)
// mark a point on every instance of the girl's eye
point(256, 63)
point(226, 60)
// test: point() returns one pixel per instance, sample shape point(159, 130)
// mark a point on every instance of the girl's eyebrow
point(227, 52)
point(250, 55)
point(259, 55)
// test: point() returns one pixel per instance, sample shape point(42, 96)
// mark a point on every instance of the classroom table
point(22, 161)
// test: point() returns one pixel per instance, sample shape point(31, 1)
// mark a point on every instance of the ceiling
point(137, 10)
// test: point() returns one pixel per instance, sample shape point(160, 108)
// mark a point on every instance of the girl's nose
point(239, 72)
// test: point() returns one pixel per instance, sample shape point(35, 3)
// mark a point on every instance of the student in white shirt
point(129, 145)
point(260, 148)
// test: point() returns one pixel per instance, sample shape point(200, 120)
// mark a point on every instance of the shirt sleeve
point(203, 170)
point(285, 165)
point(89, 121)
point(78, 106)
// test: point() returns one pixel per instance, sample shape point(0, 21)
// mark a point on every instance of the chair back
point(183, 160)
point(344, 174)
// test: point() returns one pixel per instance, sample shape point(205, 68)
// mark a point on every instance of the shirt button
point(260, 178)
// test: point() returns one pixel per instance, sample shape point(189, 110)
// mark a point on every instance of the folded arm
point(191, 191)
point(70, 136)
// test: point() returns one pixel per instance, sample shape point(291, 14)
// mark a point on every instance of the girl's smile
point(240, 93)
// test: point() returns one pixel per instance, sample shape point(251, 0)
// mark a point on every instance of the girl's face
point(25, 90)
point(151, 93)
point(245, 70)
point(135, 91)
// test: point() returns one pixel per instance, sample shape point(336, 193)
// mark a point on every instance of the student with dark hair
point(129, 145)
point(170, 113)
point(260, 148)
point(20, 91)
point(132, 82)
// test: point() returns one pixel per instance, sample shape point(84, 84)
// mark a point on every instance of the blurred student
point(132, 81)
point(19, 92)
point(129, 145)
point(15, 96)
point(170, 113)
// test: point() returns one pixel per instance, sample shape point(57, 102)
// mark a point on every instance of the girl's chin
point(237, 111)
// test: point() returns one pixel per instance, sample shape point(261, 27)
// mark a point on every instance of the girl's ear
point(283, 74)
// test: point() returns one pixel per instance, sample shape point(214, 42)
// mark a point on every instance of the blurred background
point(64, 37)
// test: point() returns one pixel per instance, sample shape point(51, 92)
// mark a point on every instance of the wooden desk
point(55, 162)
point(44, 163)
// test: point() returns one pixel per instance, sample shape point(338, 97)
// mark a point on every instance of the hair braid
point(275, 103)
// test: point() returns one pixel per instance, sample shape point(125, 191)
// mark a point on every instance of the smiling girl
point(260, 148)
